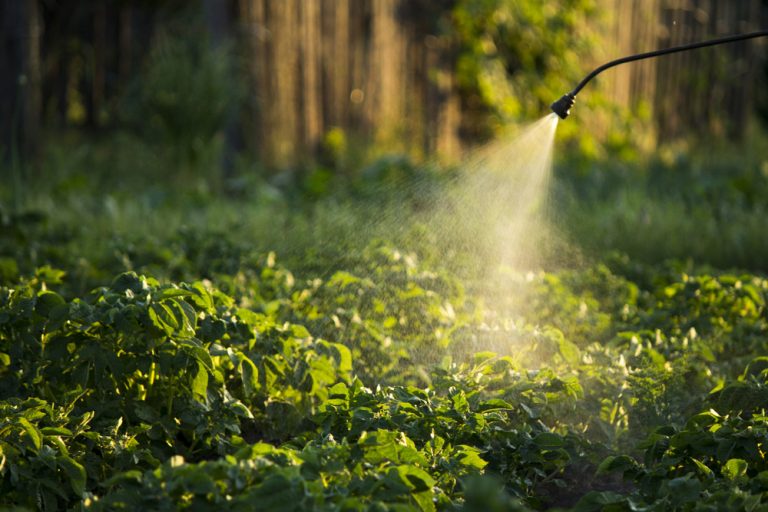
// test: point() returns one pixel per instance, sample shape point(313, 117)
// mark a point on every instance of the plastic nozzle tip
point(562, 107)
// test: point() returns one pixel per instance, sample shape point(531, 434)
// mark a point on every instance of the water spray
point(562, 107)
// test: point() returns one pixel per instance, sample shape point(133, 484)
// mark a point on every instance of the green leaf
point(202, 297)
point(494, 404)
point(548, 440)
point(338, 391)
point(75, 471)
point(169, 293)
point(418, 479)
point(734, 468)
point(57, 441)
point(56, 431)
point(480, 358)
point(47, 302)
point(50, 275)
point(424, 500)
point(200, 383)
point(299, 331)
point(163, 318)
point(703, 468)
point(343, 357)
point(395, 483)
point(616, 463)
point(186, 318)
point(240, 409)
point(569, 351)
point(460, 403)
point(342, 279)
point(702, 420)
point(127, 281)
point(470, 456)
point(32, 432)
point(249, 373)
point(194, 348)
point(380, 446)
point(321, 373)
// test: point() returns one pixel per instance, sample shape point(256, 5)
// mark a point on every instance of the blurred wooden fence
point(380, 70)
point(367, 67)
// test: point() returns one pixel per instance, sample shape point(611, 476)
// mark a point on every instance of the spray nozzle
point(562, 107)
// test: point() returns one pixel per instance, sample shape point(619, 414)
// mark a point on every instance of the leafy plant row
point(617, 389)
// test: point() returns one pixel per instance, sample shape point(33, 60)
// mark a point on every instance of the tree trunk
point(11, 69)
point(99, 71)
point(125, 35)
point(384, 87)
point(20, 78)
point(218, 21)
point(311, 93)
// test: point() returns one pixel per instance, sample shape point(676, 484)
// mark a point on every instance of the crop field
point(193, 371)
point(384, 255)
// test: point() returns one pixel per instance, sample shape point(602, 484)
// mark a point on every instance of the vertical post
point(20, 79)
point(98, 83)
point(218, 21)
point(311, 91)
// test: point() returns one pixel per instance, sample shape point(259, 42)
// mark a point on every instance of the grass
point(708, 207)
point(705, 207)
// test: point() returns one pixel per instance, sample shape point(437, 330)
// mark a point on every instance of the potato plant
point(388, 385)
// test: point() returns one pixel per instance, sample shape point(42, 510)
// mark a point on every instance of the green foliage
point(181, 111)
point(118, 389)
point(161, 371)
point(168, 396)
point(704, 203)
point(184, 367)
point(518, 57)
point(180, 118)
point(714, 462)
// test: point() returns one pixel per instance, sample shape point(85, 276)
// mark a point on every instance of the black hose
point(562, 106)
